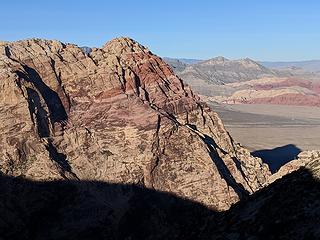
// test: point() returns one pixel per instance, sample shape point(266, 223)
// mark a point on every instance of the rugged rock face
point(117, 114)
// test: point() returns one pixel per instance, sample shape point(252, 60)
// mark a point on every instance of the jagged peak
point(30, 41)
point(248, 60)
point(37, 46)
point(215, 60)
point(123, 45)
point(220, 58)
point(115, 46)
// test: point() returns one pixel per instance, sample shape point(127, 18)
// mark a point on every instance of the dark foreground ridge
point(286, 209)
point(94, 210)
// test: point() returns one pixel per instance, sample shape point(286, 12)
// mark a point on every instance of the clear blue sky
point(260, 29)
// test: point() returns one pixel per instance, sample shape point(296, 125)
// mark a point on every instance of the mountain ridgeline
point(246, 81)
point(221, 70)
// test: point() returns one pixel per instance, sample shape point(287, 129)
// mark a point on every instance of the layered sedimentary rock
point(284, 91)
point(119, 115)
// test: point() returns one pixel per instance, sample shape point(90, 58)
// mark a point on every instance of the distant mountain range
point(221, 70)
point(204, 74)
point(310, 65)
point(246, 81)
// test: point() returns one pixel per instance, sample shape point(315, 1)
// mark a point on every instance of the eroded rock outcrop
point(117, 114)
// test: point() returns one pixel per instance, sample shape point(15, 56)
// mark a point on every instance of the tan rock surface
point(119, 115)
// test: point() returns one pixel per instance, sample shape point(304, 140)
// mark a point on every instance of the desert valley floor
point(272, 130)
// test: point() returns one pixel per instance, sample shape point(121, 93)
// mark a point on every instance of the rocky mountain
point(120, 115)
point(110, 144)
point(221, 70)
point(245, 81)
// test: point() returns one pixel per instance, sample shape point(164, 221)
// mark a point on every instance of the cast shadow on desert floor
point(277, 157)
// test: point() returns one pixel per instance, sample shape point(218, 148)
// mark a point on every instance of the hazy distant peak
point(220, 61)
point(221, 58)
point(216, 60)
point(248, 62)
point(221, 70)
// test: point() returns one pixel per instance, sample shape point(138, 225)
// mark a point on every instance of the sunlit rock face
point(116, 114)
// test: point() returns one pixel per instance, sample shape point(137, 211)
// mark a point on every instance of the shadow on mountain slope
point(277, 157)
point(94, 210)
point(52, 99)
point(287, 209)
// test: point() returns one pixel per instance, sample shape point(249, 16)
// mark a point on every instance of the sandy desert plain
point(276, 133)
